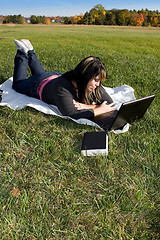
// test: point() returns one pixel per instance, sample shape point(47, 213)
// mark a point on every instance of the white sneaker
point(21, 46)
point(27, 43)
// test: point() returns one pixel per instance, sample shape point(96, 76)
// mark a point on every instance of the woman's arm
point(104, 95)
point(80, 106)
point(63, 99)
point(97, 109)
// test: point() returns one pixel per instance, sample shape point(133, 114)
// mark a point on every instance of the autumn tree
point(124, 17)
point(78, 19)
point(145, 16)
point(18, 19)
point(47, 20)
point(110, 18)
point(85, 19)
point(153, 18)
point(33, 19)
point(101, 14)
point(97, 15)
point(137, 19)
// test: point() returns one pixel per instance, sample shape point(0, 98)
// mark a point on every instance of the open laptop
point(128, 113)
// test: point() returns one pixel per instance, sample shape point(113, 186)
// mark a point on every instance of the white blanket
point(18, 101)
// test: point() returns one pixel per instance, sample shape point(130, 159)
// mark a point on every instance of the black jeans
point(21, 83)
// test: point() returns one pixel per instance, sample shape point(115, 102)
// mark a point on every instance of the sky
point(69, 7)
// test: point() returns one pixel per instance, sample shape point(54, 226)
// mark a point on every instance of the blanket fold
point(17, 101)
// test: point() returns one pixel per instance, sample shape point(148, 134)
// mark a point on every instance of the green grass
point(62, 194)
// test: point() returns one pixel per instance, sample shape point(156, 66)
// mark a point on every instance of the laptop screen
point(131, 111)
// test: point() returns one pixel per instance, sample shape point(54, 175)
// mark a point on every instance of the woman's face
point(93, 83)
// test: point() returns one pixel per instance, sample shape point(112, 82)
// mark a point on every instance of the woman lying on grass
point(77, 93)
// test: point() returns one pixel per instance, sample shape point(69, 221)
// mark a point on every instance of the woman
point(77, 93)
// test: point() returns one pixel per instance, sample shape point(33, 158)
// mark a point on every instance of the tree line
point(19, 19)
point(97, 16)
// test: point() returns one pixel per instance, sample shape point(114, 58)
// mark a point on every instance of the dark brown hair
point(84, 72)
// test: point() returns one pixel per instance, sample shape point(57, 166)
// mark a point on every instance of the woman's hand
point(104, 108)
point(107, 107)
point(81, 106)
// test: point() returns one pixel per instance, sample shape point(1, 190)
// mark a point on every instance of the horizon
point(62, 8)
point(79, 14)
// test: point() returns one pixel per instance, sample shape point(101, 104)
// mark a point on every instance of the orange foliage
point(138, 19)
point(47, 20)
point(155, 21)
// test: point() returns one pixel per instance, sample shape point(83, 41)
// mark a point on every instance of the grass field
point(48, 190)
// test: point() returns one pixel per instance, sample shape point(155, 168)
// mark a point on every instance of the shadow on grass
point(2, 79)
